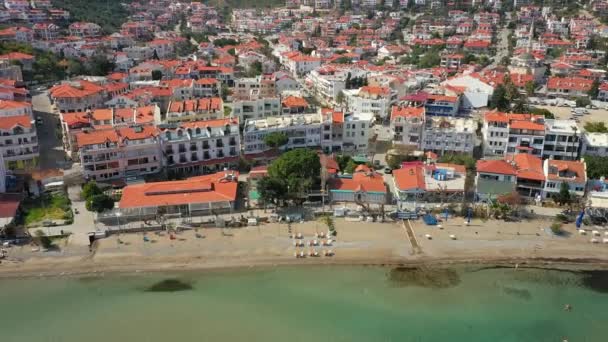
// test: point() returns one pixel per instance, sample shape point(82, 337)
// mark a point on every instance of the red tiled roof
point(9, 104)
point(570, 83)
point(410, 178)
point(97, 137)
point(9, 122)
point(500, 167)
point(407, 112)
point(576, 167)
point(294, 101)
point(529, 167)
point(362, 181)
point(202, 189)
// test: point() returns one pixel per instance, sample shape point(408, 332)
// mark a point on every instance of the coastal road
point(50, 145)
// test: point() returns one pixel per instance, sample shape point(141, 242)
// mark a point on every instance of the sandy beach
point(491, 242)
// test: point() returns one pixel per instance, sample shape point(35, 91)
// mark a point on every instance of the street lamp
point(118, 215)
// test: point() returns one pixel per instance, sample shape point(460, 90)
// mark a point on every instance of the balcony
point(193, 148)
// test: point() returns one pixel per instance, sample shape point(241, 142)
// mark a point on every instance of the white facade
point(495, 138)
point(477, 93)
point(327, 87)
point(357, 130)
point(594, 144)
point(449, 135)
point(303, 130)
point(256, 108)
point(561, 140)
point(201, 146)
point(361, 102)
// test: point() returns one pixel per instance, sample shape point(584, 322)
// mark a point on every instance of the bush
point(556, 228)
point(99, 203)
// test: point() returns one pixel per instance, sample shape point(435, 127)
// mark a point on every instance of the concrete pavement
point(50, 146)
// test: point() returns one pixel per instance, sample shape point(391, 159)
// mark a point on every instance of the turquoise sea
point(331, 303)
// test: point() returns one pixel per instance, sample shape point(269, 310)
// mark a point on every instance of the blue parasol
point(579, 219)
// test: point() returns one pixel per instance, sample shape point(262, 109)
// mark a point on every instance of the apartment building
point(260, 86)
point(84, 30)
point(303, 130)
point(371, 99)
point(449, 135)
point(207, 87)
point(513, 133)
point(407, 125)
point(255, 108)
point(194, 110)
point(594, 144)
point(78, 96)
point(451, 61)
point(562, 140)
point(18, 138)
point(327, 83)
point(357, 130)
point(494, 178)
point(568, 86)
point(299, 64)
point(200, 146)
point(119, 152)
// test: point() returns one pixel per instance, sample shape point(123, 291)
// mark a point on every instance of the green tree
point(499, 99)
point(429, 60)
point(582, 102)
point(541, 111)
point(350, 167)
point(342, 161)
point(43, 239)
point(595, 89)
point(255, 69)
point(564, 196)
point(596, 127)
point(272, 190)
point(596, 167)
point(90, 189)
point(276, 139)
point(99, 203)
point(157, 75)
point(460, 159)
point(530, 87)
point(299, 168)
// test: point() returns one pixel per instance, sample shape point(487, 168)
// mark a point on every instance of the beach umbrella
point(579, 219)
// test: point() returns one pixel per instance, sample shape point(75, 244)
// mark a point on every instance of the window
point(551, 185)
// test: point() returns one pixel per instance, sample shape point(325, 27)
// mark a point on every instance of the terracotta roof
point(202, 189)
point(570, 83)
point(199, 105)
point(139, 132)
point(9, 122)
point(500, 167)
point(410, 178)
point(9, 104)
point(102, 114)
point(407, 112)
point(294, 101)
point(83, 89)
point(575, 167)
point(97, 137)
point(529, 125)
point(16, 56)
point(384, 91)
point(529, 167)
point(75, 118)
point(210, 123)
point(457, 168)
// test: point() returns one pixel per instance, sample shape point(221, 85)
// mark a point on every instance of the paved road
point(502, 47)
point(51, 149)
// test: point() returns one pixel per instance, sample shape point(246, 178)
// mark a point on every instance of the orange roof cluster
point(210, 123)
point(10, 104)
point(406, 112)
point(115, 135)
point(374, 90)
point(81, 89)
point(197, 105)
point(570, 83)
point(16, 56)
point(202, 189)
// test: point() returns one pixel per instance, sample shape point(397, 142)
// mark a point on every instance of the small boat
point(582, 232)
point(594, 241)
point(596, 233)
point(302, 255)
point(453, 237)
point(428, 236)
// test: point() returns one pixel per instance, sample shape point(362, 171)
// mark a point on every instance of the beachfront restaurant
point(197, 196)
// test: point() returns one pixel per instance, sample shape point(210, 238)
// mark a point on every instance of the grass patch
point(46, 207)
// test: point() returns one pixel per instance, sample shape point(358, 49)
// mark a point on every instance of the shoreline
point(91, 268)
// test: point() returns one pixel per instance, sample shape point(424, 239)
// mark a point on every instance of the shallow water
point(307, 304)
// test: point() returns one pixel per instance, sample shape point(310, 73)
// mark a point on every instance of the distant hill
point(109, 14)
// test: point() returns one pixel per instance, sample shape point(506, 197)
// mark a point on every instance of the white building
point(562, 140)
point(594, 144)
point(449, 135)
point(303, 130)
point(407, 124)
point(19, 142)
point(513, 133)
point(370, 99)
point(194, 110)
point(201, 146)
point(574, 173)
point(326, 84)
point(256, 108)
point(477, 93)
point(357, 130)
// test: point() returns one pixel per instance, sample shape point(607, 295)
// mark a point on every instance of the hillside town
point(187, 113)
